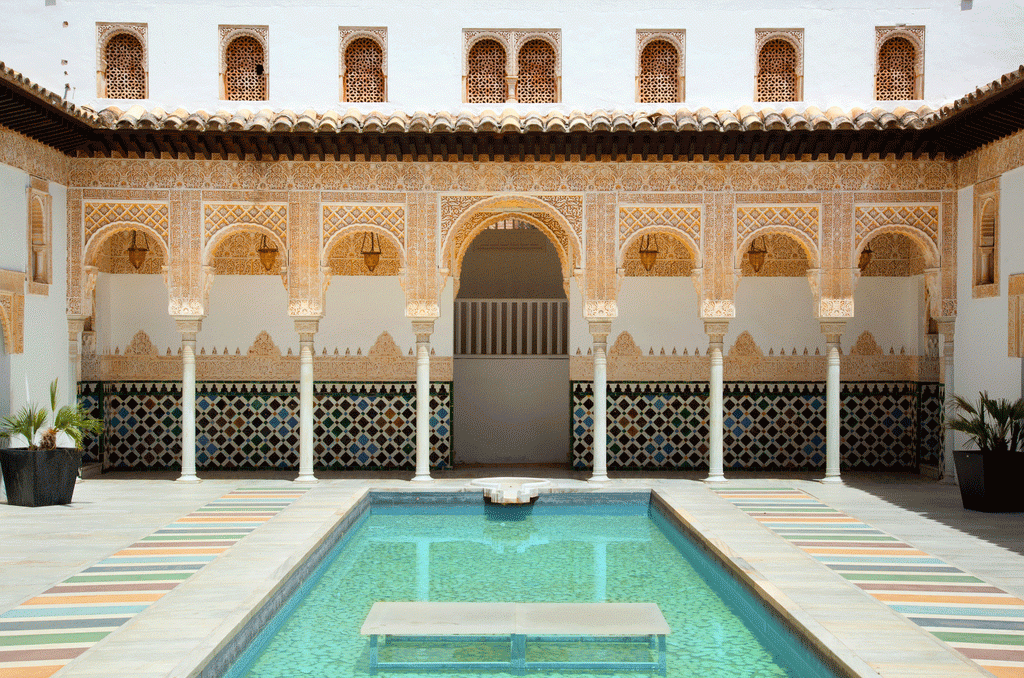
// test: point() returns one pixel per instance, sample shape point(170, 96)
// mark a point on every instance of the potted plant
point(990, 476)
point(43, 474)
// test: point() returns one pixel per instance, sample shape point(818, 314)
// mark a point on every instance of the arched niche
point(677, 254)
point(233, 251)
point(789, 253)
point(886, 237)
point(112, 255)
point(343, 253)
point(108, 240)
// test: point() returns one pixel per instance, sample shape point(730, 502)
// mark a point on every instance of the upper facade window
point(363, 64)
point(485, 76)
point(899, 70)
point(121, 64)
point(986, 239)
point(532, 77)
point(244, 63)
point(660, 70)
point(39, 267)
point(780, 71)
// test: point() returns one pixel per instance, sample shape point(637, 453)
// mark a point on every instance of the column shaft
point(422, 409)
point(832, 418)
point(600, 411)
point(306, 328)
point(716, 423)
point(306, 413)
point(599, 330)
point(832, 328)
point(948, 407)
point(188, 411)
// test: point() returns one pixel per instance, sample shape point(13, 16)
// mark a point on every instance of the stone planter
point(990, 482)
point(40, 477)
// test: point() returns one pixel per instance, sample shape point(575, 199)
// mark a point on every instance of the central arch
point(511, 326)
point(490, 210)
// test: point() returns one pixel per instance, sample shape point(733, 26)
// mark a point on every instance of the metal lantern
point(649, 251)
point(268, 254)
point(865, 257)
point(371, 250)
point(136, 254)
point(756, 255)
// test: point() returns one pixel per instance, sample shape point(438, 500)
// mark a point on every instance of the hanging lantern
point(865, 257)
point(371, 250)
point(136, 254)
point(756, 255)
point(649, 251)
point(268, 254)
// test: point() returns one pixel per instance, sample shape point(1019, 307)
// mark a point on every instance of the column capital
point(76, 325)
point(422, 329)
point(833, 330)
point(716, 330)
point(600, 329)
point(189, 325)
point(947, 327)
point(306, 328)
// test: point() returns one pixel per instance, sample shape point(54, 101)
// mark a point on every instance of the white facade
point(966, 44)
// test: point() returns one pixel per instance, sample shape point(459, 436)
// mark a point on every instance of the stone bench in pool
point(521, 623)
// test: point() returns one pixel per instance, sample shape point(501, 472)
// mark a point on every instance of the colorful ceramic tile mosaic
point(982, 622)
point(43, 634)
point(768, 426)
point(244, 425)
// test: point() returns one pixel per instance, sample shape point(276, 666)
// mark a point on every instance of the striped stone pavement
point(982, 622)
point(43, 634)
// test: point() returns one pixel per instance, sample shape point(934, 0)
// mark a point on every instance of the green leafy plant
point(72, 420)
point(993, 424)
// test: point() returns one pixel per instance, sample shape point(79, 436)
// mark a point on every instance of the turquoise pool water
point(620, 552)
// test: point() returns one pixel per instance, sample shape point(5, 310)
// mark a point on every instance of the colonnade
point(599, 330)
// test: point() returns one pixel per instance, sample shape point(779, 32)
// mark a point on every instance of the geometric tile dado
point(247, 425)
point(768, 426)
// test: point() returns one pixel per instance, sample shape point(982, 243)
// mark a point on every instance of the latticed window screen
point(125, 73)
point(39, 252)
point(536, 84)
point(245, 77)
point(777, 71)
point(659, 69)
point(485, 81)
point(896, 78)
point(987, 245)
point(364, 71)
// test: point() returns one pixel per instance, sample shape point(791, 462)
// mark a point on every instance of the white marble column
point(716, 385)
point(189, 327)
point(422, 329)
point(946, 329)
point(599, 330)
point(833, 331)
point(306, 328)
point(76, 325)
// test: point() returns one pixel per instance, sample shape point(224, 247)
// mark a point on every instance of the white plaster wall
point(45, 355)
point(511, 410)
point(980, 359)
point(126, 304)
point(358, 310)
point(889, 308)
point(660, 313)
point(967, 44)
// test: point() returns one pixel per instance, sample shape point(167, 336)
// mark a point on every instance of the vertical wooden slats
point(511, 327)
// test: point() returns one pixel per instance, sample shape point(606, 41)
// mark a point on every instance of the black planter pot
point(990, 482)
point(40, 477)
